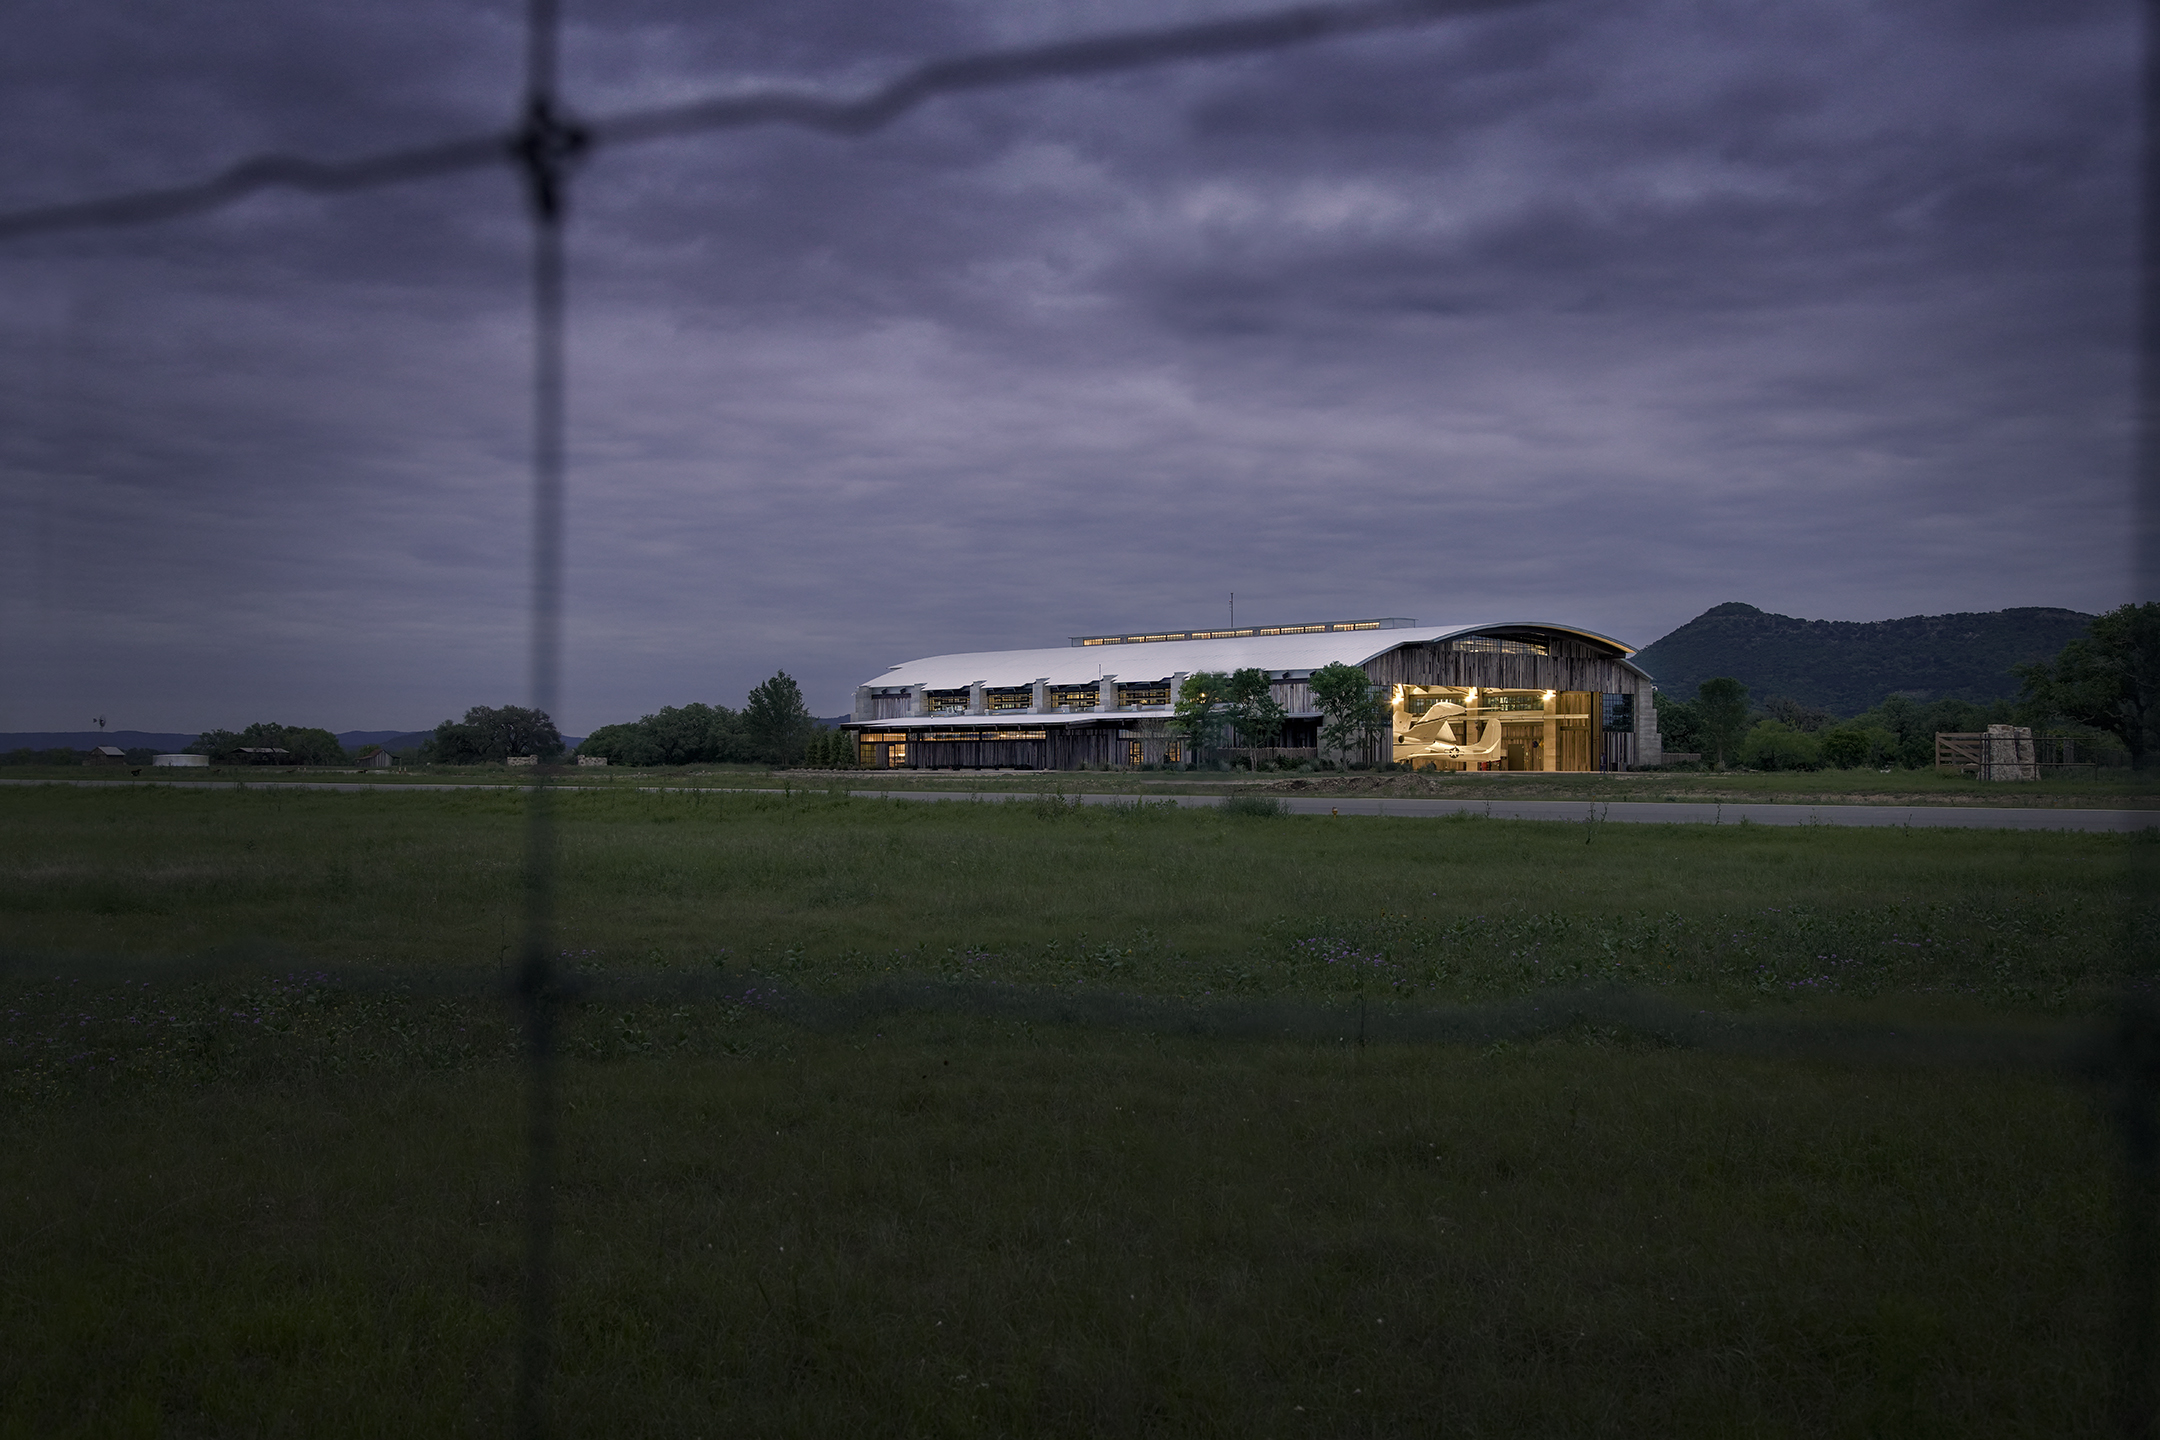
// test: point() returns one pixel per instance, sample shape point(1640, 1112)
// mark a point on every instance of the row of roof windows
point(1392, 622)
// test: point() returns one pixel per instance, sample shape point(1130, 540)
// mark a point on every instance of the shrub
point(1253, 806)
point(1774, 745)
point(1853, 744)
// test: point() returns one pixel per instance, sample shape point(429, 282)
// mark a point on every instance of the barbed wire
point(2120, 1054)
point(1064, 59)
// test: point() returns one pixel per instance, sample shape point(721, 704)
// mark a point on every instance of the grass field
point(251, 1184)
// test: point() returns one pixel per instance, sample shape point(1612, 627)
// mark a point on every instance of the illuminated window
point(896, 755)
point(1074, 697)
point(1153, 693)
point(1498, 645)
point(1135, 754)
point(1171, 754)
point(1020, 699)
point(948, 702)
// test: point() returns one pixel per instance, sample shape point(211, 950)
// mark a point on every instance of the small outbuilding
point(106, 755)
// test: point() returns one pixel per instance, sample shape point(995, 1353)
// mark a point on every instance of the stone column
point(1649, 745)
point(1042, 697)
point(865, 704)
point(1106, 693)
point(918, 699)
point(976, 705)
point(2007, 754)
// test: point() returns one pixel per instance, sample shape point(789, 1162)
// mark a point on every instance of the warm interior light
point(1550, 694)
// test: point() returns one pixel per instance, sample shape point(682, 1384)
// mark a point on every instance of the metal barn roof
point(1299, 655)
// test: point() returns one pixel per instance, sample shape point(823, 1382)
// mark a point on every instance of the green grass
point(951, 1230)
point(831, 891)
point(245, 1189)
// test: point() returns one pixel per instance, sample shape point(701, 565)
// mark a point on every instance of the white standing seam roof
point(1299, 655)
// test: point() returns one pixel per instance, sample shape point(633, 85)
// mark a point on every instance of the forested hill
point(1845, 666)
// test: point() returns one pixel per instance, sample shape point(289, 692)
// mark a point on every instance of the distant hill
point(391, 740)
point(1846, 666)
point(91, 739)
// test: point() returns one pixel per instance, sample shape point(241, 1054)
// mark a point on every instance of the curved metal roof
point(1158, 660)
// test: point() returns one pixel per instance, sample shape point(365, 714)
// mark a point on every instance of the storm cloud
point(1594, 313)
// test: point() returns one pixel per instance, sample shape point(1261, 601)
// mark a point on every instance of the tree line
point(774, 727)
point(2103, 687)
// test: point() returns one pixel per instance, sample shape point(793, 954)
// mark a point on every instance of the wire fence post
point(2137, 1400)
point(2136, 1067)
point(544, 147)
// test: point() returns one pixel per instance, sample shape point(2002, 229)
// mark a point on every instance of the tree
point(302, 744)
point(776, 721)
point(1352, 714)
point(1853, 743)
point(1252, 710)
point(694, 734)
point(313, 745)
point(1796, 715)
point(1723, 704)
point(830, 749)
point(1903, 729)
point(1679, 723)
point(1775, 745)
point(493, 734)
point(2109, 680)
point(1199, 714)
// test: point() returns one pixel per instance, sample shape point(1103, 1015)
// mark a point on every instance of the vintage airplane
point(1432, 736)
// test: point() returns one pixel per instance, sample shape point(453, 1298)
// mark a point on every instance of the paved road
point(1652, 812)
point(1640, 812)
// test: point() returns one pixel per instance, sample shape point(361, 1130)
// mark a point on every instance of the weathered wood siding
point(1072, 746)
point(975, 754)
point(1572, 665)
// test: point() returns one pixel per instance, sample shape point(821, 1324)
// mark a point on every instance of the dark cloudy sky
point(1595, 312)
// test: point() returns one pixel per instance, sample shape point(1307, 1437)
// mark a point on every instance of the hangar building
point(1507, 695)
